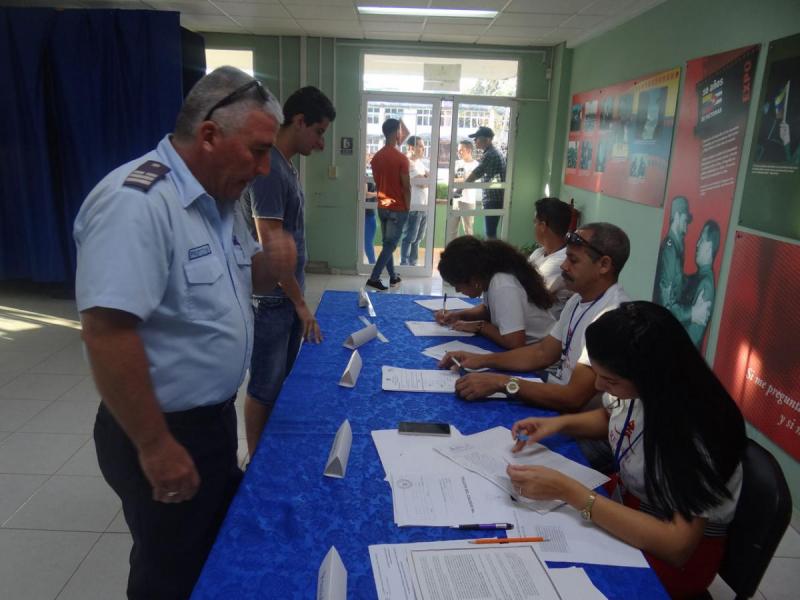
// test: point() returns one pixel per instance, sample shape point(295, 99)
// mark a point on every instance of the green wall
point(331, 219)
point(664, 37)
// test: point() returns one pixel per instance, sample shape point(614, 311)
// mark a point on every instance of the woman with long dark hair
point(678, 440)
point(515, 309)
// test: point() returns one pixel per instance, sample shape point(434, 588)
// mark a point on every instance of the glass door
point(413, 256)
point(479, 174)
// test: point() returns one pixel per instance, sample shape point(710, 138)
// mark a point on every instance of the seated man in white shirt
point(596, 253)
point(550, 226)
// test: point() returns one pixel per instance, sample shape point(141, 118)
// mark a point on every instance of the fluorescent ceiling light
point(427, 12)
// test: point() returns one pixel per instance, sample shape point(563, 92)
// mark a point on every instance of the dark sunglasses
point(576, 240)
point(238, 94)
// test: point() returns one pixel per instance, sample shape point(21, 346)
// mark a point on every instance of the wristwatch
point(586, 511)
point(512, 386)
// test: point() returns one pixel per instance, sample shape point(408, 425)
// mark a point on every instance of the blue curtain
point(83, 91)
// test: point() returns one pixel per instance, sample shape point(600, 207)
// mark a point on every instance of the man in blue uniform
point(277, 204)
point(166, 268)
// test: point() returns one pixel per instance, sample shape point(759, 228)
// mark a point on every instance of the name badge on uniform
point(199, 251)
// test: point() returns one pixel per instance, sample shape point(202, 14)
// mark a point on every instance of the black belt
point(200, 414)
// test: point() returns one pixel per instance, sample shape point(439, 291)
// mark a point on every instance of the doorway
point(449, 205)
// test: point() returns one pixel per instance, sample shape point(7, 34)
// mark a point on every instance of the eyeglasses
point(576, 240)
point(237, 94)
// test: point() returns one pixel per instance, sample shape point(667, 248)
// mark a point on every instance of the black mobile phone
point(413, 428)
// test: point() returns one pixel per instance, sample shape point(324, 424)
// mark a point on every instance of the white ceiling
point(518, 23)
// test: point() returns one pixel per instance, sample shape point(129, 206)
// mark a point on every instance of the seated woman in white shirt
point(515, 309)
point(677, 497)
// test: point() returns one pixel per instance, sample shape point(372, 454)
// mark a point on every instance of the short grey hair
point(214, 87)
point(612, 241)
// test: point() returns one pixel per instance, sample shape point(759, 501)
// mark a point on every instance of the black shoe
point(393, 281)
point(377, 284)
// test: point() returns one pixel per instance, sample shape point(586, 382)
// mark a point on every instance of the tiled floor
point(62, 535)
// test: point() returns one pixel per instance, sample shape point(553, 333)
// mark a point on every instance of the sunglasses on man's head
point(576, 240)
point(237, 94)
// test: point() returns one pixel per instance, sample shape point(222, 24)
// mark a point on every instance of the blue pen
point(484, 526)
point(461, 370)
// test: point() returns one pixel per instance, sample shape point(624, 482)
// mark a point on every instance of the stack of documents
point(457, 569)
point(428, 489)
point(488, 453)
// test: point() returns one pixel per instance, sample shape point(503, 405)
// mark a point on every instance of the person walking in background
point(492, 168)
point(390, 168)
point(416, 225)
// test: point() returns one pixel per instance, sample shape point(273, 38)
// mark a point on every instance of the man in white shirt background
point(550, 227)
point(463, 199)
point(416, 225)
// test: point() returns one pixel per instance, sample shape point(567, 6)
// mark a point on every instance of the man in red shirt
point(390, 170)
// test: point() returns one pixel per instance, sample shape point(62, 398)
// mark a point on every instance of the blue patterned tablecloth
point(286, 515)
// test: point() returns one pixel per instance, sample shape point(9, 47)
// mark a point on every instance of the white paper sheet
point(433, 329)
point(365, 321)
point(351, 371)
point(410, 452)
point(448, 498)
point(440, 350)
point(488, 453)
point(425, 571)
point(573, 583)
point(435, 304)
point(395, 379)
point(571, 539)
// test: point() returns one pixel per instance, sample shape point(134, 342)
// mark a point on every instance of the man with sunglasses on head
point(596, 254)
point(166, 270)
point(277, 204)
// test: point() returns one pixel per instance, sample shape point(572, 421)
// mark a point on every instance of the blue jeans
point(276, 342)
point(370, 226)
point(392, 223)
point(414, 234)
point(491, 222)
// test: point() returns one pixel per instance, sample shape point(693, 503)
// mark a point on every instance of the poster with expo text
point(712, 120)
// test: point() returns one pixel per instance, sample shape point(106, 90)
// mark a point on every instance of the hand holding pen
point(533, 429)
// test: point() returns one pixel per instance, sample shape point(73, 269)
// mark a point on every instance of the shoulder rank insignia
point(146, 175)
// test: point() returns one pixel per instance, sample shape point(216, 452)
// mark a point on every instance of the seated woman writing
point(515, 304)
point(678, 440)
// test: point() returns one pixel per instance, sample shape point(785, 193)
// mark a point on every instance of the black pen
point(479, 526)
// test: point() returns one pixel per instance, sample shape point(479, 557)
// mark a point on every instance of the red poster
point(712, 120)
point(759, 337)
point(620, 137)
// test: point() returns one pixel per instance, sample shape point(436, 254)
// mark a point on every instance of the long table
point(286, 515)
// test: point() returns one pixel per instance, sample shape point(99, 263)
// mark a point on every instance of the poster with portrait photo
point(771, 195)
point(708, 143)
point(576, 116)
point(628, 127)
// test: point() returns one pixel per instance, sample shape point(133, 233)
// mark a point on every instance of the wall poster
point(759, 337)
point(711, 125)
point(620, 137)
point(771, 197)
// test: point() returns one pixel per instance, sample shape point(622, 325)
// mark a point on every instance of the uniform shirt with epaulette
point(153, 243)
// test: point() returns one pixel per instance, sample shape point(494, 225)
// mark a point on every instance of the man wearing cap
point(670, 277)
point(390, 169)
point(492, 167)
point(166, 269)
